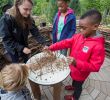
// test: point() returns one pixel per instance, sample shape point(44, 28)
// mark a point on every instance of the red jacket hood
point(96, 38)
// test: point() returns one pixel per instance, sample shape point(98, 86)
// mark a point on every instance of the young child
point(87, 51)
point(14, 78)
point(64, 25)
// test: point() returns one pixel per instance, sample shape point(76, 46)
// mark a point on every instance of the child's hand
point(71, 60)
point(48, 51)
point(46, 48)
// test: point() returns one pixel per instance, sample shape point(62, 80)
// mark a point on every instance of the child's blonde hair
point(14, 76)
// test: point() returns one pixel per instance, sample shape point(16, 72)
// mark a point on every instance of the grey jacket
point(22, 94)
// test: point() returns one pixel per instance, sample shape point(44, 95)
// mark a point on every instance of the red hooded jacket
point(88, 52)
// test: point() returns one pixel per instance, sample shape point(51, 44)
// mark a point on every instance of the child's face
point(87, 27)
point(62, 6)
point(25, 8)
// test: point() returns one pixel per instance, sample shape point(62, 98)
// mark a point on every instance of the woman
point(15, 26)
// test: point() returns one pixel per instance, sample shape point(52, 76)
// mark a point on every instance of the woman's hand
point(71, 60)
point(26, 50)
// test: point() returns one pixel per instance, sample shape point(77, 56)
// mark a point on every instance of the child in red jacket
point(87, 51)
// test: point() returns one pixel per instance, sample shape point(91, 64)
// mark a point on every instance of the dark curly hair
point(94, 15)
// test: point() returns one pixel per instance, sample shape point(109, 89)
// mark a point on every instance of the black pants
point(77, 89)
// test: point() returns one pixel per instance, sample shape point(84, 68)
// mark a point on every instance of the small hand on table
point(71, 60)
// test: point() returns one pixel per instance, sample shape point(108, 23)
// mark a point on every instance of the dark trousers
point(77, 89)
point(15, 57)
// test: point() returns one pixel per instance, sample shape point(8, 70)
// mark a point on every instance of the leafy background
point(46, 9)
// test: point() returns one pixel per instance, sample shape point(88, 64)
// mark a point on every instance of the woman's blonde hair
point(14, 76)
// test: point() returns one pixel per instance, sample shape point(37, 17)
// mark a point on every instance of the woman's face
point(25, 8)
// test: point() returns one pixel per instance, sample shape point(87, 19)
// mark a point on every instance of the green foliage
point(89, 4)
point(102, 5)
point(51, 10)
point(45, 7)
point(75, 4)
point(39, 7)
point(2, 3)
point(48, 8)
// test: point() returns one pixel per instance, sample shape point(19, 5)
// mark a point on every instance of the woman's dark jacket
point(15, 38)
